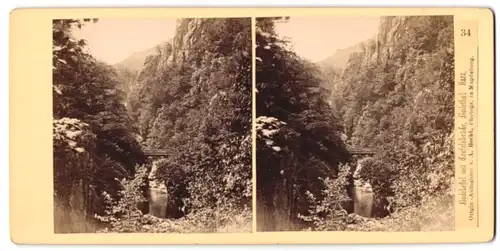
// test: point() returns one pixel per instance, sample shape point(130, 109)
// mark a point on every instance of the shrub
point(329, 213)
point(124, 215)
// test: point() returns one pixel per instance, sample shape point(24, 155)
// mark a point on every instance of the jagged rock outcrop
point(393, 32)
point(154, 63)
point(176, 51)
point(185, 66)
point(193, 95)
point(130, 68)
point(340, 58)
point(378, 48)
point(397, 85)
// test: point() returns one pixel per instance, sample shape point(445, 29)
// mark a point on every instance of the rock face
point(138, 73)
point(153, 64)
point(340, 58)
point(383, 47)
point(129, 68)
point(380, 47)
point(184, 89)
point(390, 32)
point(184, 67)
point(391, 35)
point(135, 61)
point(173, 52)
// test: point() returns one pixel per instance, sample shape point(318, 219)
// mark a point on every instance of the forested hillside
point(135, 61)
point(298, 139)
point(340, 58)
point(94, 139)
point(130, 67)
point(394, 96)
point(192, 98)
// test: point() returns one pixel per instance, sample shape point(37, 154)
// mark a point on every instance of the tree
point(87, 109)
point(401, 104)
point(298, 136)
point(195, 102)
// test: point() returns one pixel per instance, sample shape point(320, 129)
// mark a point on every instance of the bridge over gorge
point(155, 152)
point(164, 152)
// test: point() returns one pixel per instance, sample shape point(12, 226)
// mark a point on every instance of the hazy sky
point(318, 38)
point(113, 40)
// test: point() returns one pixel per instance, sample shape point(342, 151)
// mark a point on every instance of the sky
point(113, 40)
point(316, 38)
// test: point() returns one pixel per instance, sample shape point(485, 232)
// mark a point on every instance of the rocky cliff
point(174, 52)
point(380, 47)
point(187, 71)
point(416, 32)
point(192, 95)
point(340, 58)
point(397, 84)
point(129, 68)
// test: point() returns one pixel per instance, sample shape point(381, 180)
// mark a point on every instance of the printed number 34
point(465, 32)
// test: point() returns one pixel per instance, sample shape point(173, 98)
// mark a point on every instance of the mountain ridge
point(340, 57)
point(136, 60)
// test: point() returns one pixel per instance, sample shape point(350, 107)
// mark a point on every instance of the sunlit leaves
point(70, 131)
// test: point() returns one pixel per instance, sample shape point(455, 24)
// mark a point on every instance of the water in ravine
point(363, 202)
point(158, 203)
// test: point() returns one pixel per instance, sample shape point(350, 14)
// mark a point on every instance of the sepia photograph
point(355, 123)
point(251, 126)
point(152, 125)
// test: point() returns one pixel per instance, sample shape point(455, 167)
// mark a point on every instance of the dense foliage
point(124, 216)
point(94, 141)
point(401, 104)
point(298, 138)
point(394, 96)
point(193, 98)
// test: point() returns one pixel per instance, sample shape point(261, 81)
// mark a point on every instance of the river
point(158, 203)
point(363, 201)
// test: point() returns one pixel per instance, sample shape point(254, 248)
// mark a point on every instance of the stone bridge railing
point(155, 152)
